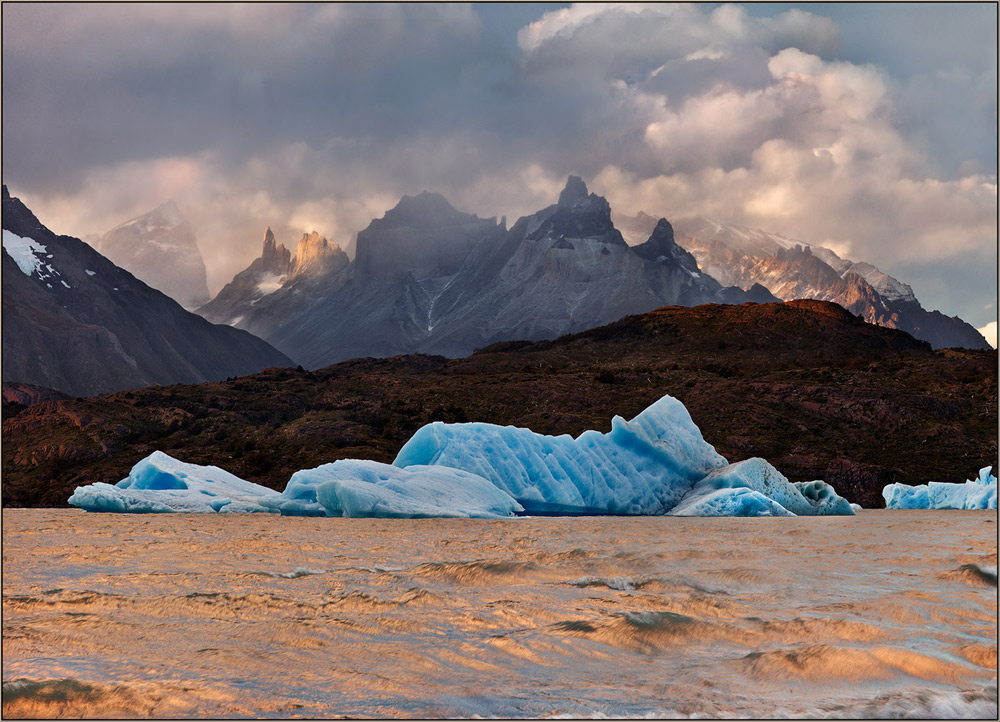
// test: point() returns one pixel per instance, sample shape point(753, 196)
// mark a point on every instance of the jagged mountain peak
point(661, 247)
point(575, 190)
point(577, 214)
point(422, 211)
point(315, 254)
point(274, 258)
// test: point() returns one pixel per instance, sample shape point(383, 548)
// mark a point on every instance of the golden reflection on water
point(167, 615)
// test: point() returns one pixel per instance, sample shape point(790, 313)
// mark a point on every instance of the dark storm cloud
point(827, 124)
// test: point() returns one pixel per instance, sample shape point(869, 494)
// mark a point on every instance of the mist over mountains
point(428, 278)
point(160, 248)
point(76, 322)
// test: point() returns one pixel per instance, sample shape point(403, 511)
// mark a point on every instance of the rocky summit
point(428, 278)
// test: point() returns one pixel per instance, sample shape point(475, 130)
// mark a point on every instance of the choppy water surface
point(884, 614)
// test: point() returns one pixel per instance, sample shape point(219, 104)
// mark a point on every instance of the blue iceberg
point(980, 493)
point(642, 466)
point(755, 488)
point(160, 483)
point(657, 463)
point(356, 488)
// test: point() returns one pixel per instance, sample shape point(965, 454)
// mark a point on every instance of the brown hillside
point(805, 385)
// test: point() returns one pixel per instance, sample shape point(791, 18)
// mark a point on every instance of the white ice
point(755, 488)
point(642, 466)
point(980, 493)
point(160, 483)
point(357, 488)
point(26, 252)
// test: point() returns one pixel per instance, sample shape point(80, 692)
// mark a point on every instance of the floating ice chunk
point(904, 496)
point(642, 466)
point(358, 488)
point(804, 498)
point(978, 494)
point(160, 483)
point(367, 488)
point(730, 502)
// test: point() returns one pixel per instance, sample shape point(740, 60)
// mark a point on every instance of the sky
point(868, 128)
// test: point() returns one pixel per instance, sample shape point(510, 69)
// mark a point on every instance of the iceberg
point(755, 488)
point(657, 463)
point(160, 483)
point(642, 466)
point(358, 488)
point(980, 493)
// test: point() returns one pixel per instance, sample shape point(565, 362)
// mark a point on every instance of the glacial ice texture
point(755, 488)
point(642, 466)
point(160, 483)
point(357, 488)
point(980, 493)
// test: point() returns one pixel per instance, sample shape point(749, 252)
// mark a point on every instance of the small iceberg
point(160, 483)
point(357, 488)
point(755, 488)
point(657, 463)
point(980, 493)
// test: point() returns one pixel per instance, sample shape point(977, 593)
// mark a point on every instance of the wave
point(294, 574)
point(645, 632)
point(70, 699)
point(920, 704)
point(821, 662)
point(977, 575)
point(475, 572)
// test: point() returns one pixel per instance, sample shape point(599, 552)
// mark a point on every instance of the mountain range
point(428, 278)
point(793, 269)
point(76, 322)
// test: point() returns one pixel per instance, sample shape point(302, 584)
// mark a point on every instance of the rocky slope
point(76, 322)
point(803, 384)
point(430, 279)
point(160, 249)
point(790, 269)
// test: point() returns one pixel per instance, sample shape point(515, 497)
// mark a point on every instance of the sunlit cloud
point(320, 116)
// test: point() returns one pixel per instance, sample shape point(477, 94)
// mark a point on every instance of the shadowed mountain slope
point(74, 321)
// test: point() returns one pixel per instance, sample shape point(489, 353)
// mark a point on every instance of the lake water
point(886, 614)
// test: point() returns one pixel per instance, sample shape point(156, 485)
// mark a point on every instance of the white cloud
point(989, 332)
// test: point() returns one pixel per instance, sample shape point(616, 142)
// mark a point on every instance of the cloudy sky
point(869, 128)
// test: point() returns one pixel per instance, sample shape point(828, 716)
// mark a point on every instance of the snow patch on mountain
point(26, 252)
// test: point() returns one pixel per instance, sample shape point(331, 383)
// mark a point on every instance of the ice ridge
point(980, 493)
